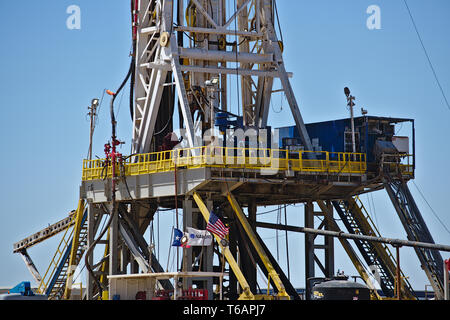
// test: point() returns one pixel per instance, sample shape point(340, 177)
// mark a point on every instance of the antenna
point(351, 104)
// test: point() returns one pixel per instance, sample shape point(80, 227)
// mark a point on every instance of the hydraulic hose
point(113, 195)
point(88, 253)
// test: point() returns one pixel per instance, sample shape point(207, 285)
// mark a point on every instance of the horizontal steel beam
point(217, 70)
point(221, 31)
point(44, 234)
point(216, 55)
point(393, 242)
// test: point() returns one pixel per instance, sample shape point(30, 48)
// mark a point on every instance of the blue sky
point(49, 74)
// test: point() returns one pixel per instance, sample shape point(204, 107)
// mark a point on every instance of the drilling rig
point(200, 60)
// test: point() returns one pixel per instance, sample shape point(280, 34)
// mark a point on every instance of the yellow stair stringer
point(356, 206)
point(272, 274)
point(54, 263)
point(74, 250)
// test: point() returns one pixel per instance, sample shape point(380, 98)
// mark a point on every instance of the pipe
point(114, 143)
point(393, 242)
point(214, 55)
point(397, 273)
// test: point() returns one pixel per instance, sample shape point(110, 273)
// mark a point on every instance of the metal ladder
point(431, 260)
point(357, 221)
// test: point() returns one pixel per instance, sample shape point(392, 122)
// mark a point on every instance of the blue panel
point(330, 134)
point(24, 288)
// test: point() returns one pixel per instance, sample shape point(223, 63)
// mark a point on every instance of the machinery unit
point(374, 137)
point(339, 288)
point(22, 291)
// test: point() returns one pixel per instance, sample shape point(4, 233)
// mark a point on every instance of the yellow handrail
point(234, 158)
point(56, 259)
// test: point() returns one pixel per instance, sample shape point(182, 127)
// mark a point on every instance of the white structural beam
point(209, 48)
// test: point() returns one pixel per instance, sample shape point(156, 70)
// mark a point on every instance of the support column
point(187, 253)
point(247, 265)
point(193, 218)
point(90, 240)
point(208, 254)
point(327, 265)
point(113, 243)
point(124, 259)
point(329, 243)
point(309, 246)
point(233, 286)
point(446, 279)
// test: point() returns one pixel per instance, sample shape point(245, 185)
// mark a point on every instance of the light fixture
point(347, 92)
point(94, 102)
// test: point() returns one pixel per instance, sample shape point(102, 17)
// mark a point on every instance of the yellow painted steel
point(73, 252)
point(247, 294)
point(105, 263)
point(399, 164)
point(54, 263)
point(234, 158)
point(272, 274)
point(383, 252)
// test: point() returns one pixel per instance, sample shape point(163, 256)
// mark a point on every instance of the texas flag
point(177, 235)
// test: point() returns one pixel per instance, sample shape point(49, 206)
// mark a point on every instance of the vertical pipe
point(176, 209)
point(258, 15)
point(414, 146)
point(287, 244)
point(353, 127)
point(446, 279)
point(309, 247)
point(92, 114)
point(398, 277)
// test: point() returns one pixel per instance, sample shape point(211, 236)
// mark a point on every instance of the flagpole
point(176, 212)
point(170, 248)
point(201, 254)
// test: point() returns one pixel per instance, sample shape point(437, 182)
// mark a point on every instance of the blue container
point(335, 135)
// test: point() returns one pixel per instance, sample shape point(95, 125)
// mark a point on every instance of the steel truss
point(164, 59)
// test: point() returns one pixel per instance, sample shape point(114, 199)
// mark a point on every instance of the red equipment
point(190, 294)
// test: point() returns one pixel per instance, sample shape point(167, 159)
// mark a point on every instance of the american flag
point(216, 226)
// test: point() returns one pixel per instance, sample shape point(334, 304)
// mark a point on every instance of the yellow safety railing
point(390, 256)
point(234, 158)
point(62, 247)
point(399, 164)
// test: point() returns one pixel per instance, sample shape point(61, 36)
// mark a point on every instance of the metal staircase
point(431, 260)
point(357, 221)
point(54, 281)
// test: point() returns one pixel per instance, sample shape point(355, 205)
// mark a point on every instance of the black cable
point(169, 121)
point(130, 71)
point(426, 54)
point(270, 211)
point(186, 34)
point(429, 206)
point(112, 213)
point(278, 20)
point(133, 74)
point(91, 247)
